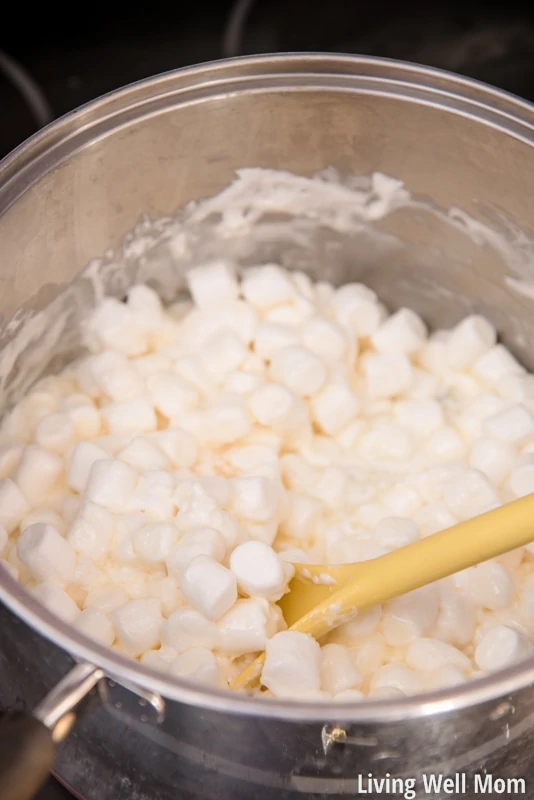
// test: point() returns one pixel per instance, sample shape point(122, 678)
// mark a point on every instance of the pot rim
point(293, 71)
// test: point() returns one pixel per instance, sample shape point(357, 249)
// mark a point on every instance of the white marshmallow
point(209, 587)
point(138, 625)
point(511, 425)
point(3, 539)
point(457, 616)
point(394, 532)
point(358, 630)
point(142, 454)
point(409, 617)
point(213, 285)
point(111, 484)
point(326, 339)
point(9, 459)
point(387, 374)
point(490, 585)
point(292, 665)
point(421, 417)
point(147, 307)
point(386, 440)
point(81, 460)
point(429, 654)
point(57, 601)
point(13, 505)
point(247, 626)
point(446, 444)
point(154, 542)
point(131, 416)
point(356, 308)
point(497, 364)
point(46, 554)
point(223, 352)
point(116, 376)
point(105, 598)
point(267, 286)
point(259, 571)
point(86, 420)
point(298, 369)
point(396, 676)
point(521, 481)
point(179, 446)
point(154, 494)
point(113, 324)
point(403, 332)
point(334, 407)
point(96, 625)
point(242, 382)
point(444, 678)
point(338, 672)
point(402, 500)
point(159, 660)
point(495, 459)
point(150, 364)
point(469, 341)
point(200, 666)
point(369, 654)
point(37, 473)
point(469, 495)
point(91, 532)
point(164, 589)
point(254, 498)
point(500, 647)
point(270, 338)
point(276, 406)
point(301, 517)
point(55, 432)
point(227, 422)
point(188, 628)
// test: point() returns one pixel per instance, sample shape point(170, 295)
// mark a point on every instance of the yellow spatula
point(322, 597)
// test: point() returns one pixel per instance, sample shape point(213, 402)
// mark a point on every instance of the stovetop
point(73, 63)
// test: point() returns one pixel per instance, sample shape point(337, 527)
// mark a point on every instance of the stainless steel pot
point(73, 191)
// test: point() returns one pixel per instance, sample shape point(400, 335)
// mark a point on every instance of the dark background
point(77, 52)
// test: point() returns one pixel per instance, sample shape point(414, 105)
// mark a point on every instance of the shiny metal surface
point(76, 188)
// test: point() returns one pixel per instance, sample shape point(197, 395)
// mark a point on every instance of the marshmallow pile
point(157, 492)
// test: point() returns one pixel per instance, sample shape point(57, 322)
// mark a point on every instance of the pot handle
point(28, 741)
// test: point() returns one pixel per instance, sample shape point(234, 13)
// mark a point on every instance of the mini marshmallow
point(223, 352)
point(429, 654)
point(490, 585)
point(446, 444)
point(200, 666)
point(421, 417)
point(160, 660)
point(131, 416)
point(457, 616)
point(276, 406)
point(387, 374)
point(394, 532)
point(138, 625)
point(48, 556)
point(147, 307)
point(55, 432)
point(356, 308)
point(369, 654)
point(469, 341)
point(358, 630)
point(38, 472)
point(242, 382)
point(270, 338)
point(403, 332)
point(164, 589)
point(325, 338)
point(91, 532)
point(213, 285)
point(500, 647)
point(116, 376)
point(153, 494)
point(86, 420)
point(267, 286)
point(187, 628)
point(387, 440)
point(495, 459)
point(338, 672)
point(292, 665)
point(13, 505)
point(154, 542)
point(209, 587)
point(142, 454)
point(254, 498)
point(396, 676)
point(57, 601)
point(113, 324)
point(82, 458)
point(521, 481)
point(227, 422)
point(334, 407)
point(111, 484)
point(299, 369)
point(409, 617)
point(469, 495)
point(171, 394)
point(511, 425)
point(150, 364)
point(497, 364)
point(96, 625)
point(301, 517)
point(9, 459)
point(3, 539)
point(106, 598)
point(247, 626)
point(179, 446)
point(259, 571)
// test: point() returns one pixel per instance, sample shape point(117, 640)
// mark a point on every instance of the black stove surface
point(73, 63)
